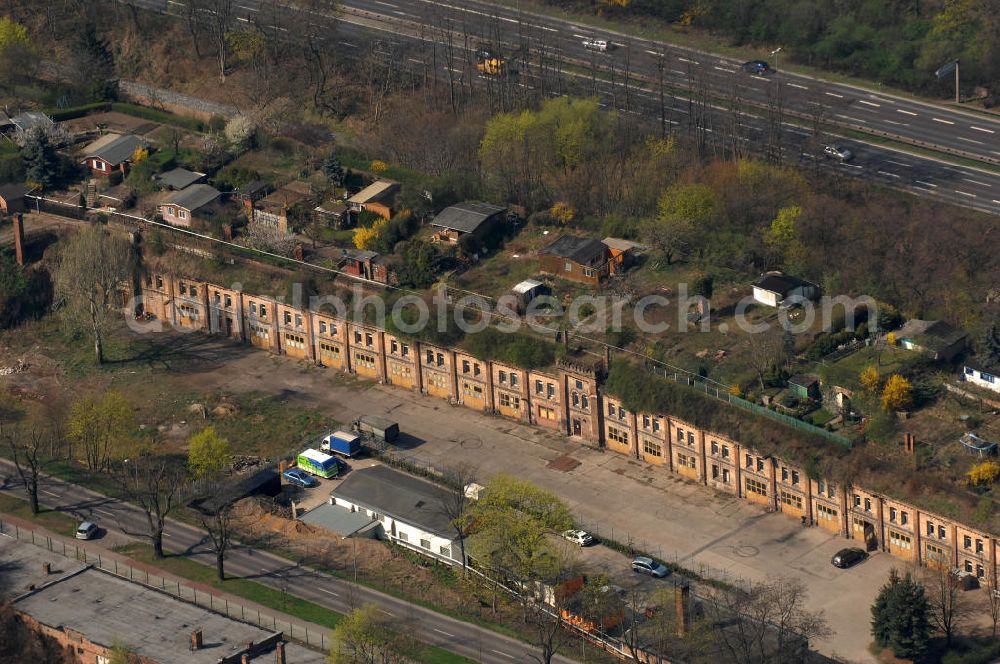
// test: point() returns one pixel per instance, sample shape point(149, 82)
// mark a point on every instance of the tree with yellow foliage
point(890, 339)
point(562, 212)
point(870, 379)
point(366, 238)
point(378, 166)
point(984, 473)
point(140, 155)
point(897, 393)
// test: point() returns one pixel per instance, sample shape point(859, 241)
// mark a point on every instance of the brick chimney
point(19, 238)
point(682, 600)
point(279, 653)
point(910, 443)
point(245, 659)
point(46, 568)
point(196, 640)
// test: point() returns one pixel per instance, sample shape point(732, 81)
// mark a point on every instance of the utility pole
point(958, 98)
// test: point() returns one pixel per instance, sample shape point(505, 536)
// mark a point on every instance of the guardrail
point(187, 593)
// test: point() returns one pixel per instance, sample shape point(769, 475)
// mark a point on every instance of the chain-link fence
point(313, 637)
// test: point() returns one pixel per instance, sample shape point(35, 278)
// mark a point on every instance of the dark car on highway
point(848, 558)
point(756, 67)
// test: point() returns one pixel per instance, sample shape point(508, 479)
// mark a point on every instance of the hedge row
point(135, 110)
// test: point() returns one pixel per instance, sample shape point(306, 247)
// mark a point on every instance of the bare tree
point(91, 271)
point(30, 451)
point(993, 600)
point(767, 623)
point(454, 505)
point(949, 610)
point(219, 524)
point(764, 351)
point(154, 484)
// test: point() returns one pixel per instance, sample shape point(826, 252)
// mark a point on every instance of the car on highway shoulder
point(838, 152)
point(646, 565)
point(581, 537)
point(848, 557)
point(595, 45)
point(300, 478)
point(86, 530)
point(758, 67)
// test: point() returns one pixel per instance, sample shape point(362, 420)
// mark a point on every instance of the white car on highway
point(838, 152)
point(595, 45)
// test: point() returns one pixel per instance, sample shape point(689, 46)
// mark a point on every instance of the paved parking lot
point(620, 497)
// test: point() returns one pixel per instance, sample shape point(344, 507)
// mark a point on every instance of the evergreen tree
point(40, 159)
point(990, 345)
point(901, 617)
point(333, 170)
point(96, 64)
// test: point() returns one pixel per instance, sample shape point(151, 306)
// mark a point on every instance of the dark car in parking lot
point(300, 478)
point(646, 565)
point(848, 558)
point(756, 67)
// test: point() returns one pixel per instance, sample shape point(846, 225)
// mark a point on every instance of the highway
point(811, 112)
point(472, 641)
point(969, 133)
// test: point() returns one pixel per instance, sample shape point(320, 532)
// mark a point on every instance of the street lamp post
point(775, 53)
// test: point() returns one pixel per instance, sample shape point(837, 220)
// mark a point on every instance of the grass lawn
point(57, 522)
point(845, 371)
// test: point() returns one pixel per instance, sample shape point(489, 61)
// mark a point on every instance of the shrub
point(897, 393)
point(984, 473)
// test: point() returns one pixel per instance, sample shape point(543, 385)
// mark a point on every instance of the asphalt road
point(476, 643)
point(972, 133)
point(415, 29)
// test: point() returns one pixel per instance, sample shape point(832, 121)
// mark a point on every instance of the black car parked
point(848, 558)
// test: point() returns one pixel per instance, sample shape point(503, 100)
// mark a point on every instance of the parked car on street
point(756, 67)
point(300, 478)
point(838, 152)
point(848, 558)
point(644, 565)
point(86, 530)
point(581, 537)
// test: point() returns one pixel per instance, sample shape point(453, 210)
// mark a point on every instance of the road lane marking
point(502, 653)
point(899, 110)
point(898, 124)
point(899, 163)
point(328, 592)
point(834, 94)
point(386, 4)
point(981, 184)
point(678, 71)
point(892, 175)
point(988, 131)
point(965, 193)
point(948, 122)
point(419, 62)
point(720, 68)
point(847, 117)
point(45, 491)
point(441, 631)
point(348, 44)
point(580, 36)
point(800, 87)
point(927, 184)
point(652, 52)
point(391, 615)
point(868, 103)
point(694, 62)
point(970, 140)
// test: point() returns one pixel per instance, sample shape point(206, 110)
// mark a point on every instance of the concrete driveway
point(611, 495)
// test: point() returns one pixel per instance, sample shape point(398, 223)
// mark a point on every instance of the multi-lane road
point(472, 641)
point(813, 112)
